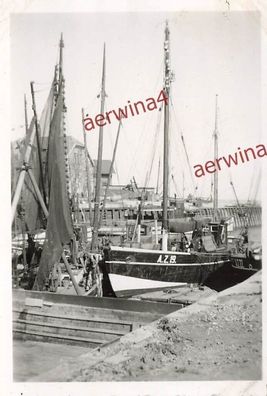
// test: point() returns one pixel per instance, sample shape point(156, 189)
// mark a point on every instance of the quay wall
point(241, 217)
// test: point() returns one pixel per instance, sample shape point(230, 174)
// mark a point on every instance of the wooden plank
point(33, 302)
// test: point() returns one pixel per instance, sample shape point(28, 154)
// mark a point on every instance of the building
point(105, 169)
point(77, 169)
point(77, 166)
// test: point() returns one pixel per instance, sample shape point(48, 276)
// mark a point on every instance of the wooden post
point(26, 115)
point(22, 173)
point(156, 232)
point(23, 229)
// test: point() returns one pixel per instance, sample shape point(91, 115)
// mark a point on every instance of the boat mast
point(215, 183)
point(157, 189)
point(60, 91)
point(183, 187)
point(166, 89)
point(61, 46)
point(37, 132)
point(87, 170)
point(110, 173)
point(26, 115)
point(23, 222)
point(99, 158)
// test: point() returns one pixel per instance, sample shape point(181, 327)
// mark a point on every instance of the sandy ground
point(217, 338)
point(31, 358)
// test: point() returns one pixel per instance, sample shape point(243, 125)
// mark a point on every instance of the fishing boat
point(43, 181)
point(168, 263)
point(246, 260)
point(247, 255)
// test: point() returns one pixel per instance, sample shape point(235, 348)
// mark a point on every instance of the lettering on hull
point(166, 259)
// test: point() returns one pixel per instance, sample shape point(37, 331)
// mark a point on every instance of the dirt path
point(217, 338)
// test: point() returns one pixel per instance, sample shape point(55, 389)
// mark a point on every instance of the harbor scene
point(136, 197)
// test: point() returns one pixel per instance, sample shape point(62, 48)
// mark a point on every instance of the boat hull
point(124, 285)
point(241, 268)
point(130, 268)
point(249, 264)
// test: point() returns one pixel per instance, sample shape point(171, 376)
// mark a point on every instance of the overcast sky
point(210, 53)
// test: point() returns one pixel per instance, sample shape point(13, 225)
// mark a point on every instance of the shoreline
point(216, 338)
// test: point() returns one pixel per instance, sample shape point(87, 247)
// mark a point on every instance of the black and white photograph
point(137, 155)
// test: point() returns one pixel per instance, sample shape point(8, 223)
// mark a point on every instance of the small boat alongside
point(247, 260)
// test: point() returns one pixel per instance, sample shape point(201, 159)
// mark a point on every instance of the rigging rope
point(237, 201)
point(115, 161)
point(156, 136)
point(250, 210)
point(143, 136)
point(257, 186)
point(252, 180)
point(185, 149)
point(176, 187)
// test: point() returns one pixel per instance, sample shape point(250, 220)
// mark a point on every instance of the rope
point(115, 162)
point(185, 149)
point(176, 187)
point(252, 183)
point(143, 136)
point(156, 136)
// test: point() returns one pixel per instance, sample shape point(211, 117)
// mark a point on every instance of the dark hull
point(246, 264)
point(160, 268)
point(241, 268)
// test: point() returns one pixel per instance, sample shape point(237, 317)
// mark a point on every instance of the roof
point(72, 142)
point(105, 167)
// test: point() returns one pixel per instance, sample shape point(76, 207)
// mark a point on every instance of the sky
point(211, 53)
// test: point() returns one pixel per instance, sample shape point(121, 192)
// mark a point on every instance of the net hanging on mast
point(59, 225)
point(59, 230)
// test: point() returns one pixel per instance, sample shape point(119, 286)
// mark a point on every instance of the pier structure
point(80, 320)
point(242, 216)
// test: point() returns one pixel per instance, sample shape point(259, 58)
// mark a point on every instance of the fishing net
point(59, 224)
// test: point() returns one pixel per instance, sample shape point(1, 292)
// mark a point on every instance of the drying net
point(59, 223)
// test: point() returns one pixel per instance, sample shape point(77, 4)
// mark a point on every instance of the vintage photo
point(136, 157)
